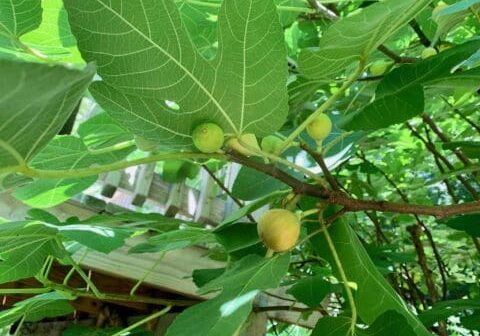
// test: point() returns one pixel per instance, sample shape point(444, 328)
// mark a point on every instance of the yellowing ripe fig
point(208, 137)
point(279, 229)
point(271, 144)
point(145, 144)
point(249, 139)
point(378, 68)
point(320, 127)
point(441, 5)
point(428, 52)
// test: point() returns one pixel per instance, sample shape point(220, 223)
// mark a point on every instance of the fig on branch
point(429, 52)
point(145, 144)
point(378, 68)
point(320, 127)
point(249, 139)
point(271, 144)
point(279, 229)
point(208, 137)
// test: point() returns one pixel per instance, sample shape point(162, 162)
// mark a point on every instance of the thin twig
point(396, 58)
point(421, 35)
point(226, 190)
point(319, 159)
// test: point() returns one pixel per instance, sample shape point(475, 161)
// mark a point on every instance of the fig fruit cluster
point(279, 229)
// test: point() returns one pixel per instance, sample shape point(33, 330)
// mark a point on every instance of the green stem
point(143, 321)
point(341, 271)
point(117, 147)
point(80, 272)
point(20, 325)
point(279, 8)
point(327, 104)
point(83, 172)
point(147, 273)
point(72, 270)
point(21, 291)
point(276, 158)
point(48, 268)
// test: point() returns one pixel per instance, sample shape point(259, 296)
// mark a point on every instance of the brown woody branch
point(352, 204)
point(396, 58)
point(436, 129)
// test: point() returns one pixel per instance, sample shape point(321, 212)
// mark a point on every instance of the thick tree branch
point(351, 204)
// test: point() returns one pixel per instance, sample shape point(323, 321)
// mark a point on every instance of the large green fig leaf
point(36, 101)
point(157, 83)
point(373, 296)
point(225, 314)
point(64, 153)
point(37, 308)
point(23, 249)
point(18, 17)
point(400, 95)
point(357, 36)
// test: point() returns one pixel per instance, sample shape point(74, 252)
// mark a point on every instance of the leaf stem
point(21, 291)
point(279, 8)
point(80, 272)
point(116, 147)
point(341, 271)
point(147, 273)
point(143, 321)
point(83, 172)
point(327, 104)
point(20, 325)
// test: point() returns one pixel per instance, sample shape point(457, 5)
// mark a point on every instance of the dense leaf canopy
point(388, 192)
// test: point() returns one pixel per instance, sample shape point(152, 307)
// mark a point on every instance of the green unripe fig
point(441, 5)
point(320, 127)
point(145, 144)
point(279, 229)
point(378, 68)
point(428, 52)
point(208, 137)
point(271, 144)
point(249, 139)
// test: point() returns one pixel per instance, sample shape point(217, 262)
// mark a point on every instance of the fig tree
point(145, 144)
point(208, 137)
point(320, 127)
point(378, 68)
point(428, 52)
point(279, 229)
point(271, 144)
point(249, 139)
